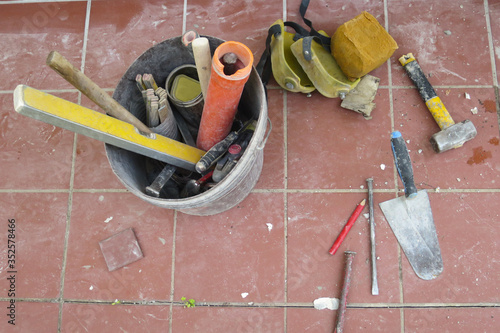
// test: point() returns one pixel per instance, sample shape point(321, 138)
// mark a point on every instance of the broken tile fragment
point(121, 249)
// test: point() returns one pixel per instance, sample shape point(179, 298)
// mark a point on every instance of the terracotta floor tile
point(222, 256)
point(32, 317)
point(420, 28)
point(331, 147)
point(29, 32)
point(452, 320)
point(319, 153)
point(476, 164)
point(468, 232)
point(120, 31)
point(105, 318)
point(356, 320)
point(91, 157)
point(314, 222)
point(92, 169)
point(96, 216)
point(40, 222)
point(246, 21)
point(44, 150)
point(273, 169)
point(227, 319)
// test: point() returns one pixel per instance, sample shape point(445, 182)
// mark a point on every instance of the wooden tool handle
point(203, 60)
point(81, 82)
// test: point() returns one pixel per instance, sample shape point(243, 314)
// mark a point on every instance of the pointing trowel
point(410, 218)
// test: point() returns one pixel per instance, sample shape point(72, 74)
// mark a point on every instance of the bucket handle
point(263, 143)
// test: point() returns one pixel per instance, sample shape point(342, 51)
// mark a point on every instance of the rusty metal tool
point(339, 326)
point(90, 89)
point(451, 135)
point(372, 237)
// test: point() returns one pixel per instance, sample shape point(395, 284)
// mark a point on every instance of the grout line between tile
point(285, 200)
point(118, 190)
point(22, 2)
point(306, 305)
point(184, 17)
point(389, 70)
point(172, 274)
point(492, 57)
point(66, 235)
point(430, 190)
point(490, 43)
point(71, 182)
point(284, 11)
point(391, 112)
point(85, 36)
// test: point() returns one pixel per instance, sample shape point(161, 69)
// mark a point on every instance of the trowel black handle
point(403, 164)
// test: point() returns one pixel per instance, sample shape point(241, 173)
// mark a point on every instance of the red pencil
point(347, 227)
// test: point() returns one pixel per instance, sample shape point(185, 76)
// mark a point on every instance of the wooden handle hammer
point(451, 135)
point(90, 89)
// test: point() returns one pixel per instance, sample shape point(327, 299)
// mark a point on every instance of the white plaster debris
point(420, 151)
point(407, 141)
point(91, 288)
point(362, 187)
point(467, 96)
point(163, 241)
point(438, 189)
point(108, 219)
point(382, 166)
point(326, 303)
point(474, 110)
point(244, 295)
point(458, 179)
point(101, 198)
point(367, 216)
point(269, 226)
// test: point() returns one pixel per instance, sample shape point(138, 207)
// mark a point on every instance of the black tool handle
point(214, 153)
point(403, 164)
point(418, 77)
point(155, 188)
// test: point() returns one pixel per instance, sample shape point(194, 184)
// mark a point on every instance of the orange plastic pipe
point(231, 66)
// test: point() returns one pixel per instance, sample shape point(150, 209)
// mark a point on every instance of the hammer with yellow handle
point(452, 135)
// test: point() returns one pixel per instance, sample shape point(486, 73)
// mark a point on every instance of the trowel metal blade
point(412, 222)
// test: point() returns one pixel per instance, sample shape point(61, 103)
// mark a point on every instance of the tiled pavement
point(60, 190)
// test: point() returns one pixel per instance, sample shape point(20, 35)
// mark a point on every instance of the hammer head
point(454, 136)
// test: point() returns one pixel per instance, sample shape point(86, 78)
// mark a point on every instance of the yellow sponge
point(361, 45)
